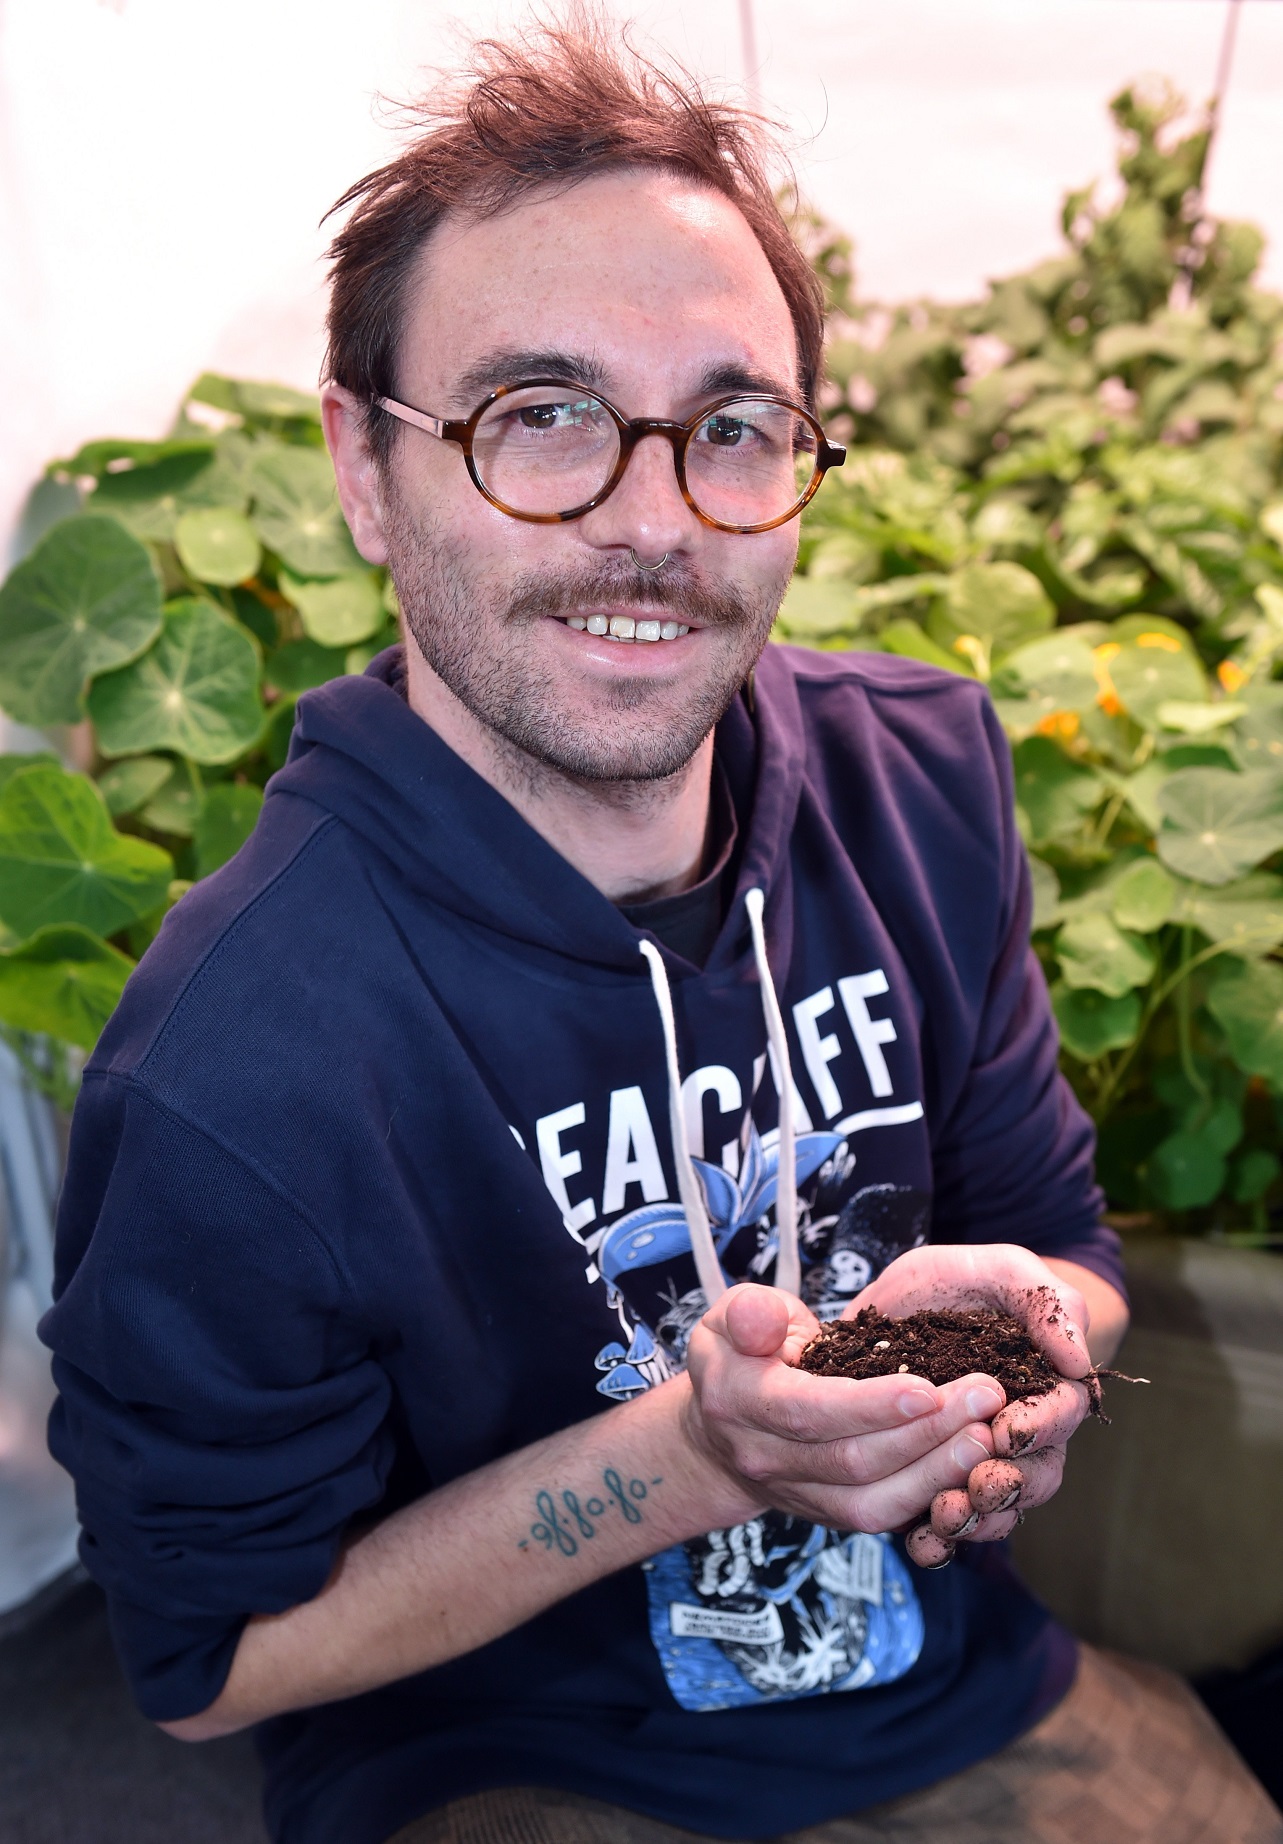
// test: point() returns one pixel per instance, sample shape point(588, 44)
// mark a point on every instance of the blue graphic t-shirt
point(371, 1183)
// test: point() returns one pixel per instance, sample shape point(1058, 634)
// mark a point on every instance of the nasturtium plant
point(1070, 490)
point(207, 581)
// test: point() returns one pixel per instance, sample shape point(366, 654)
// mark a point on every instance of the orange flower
point(1232, 677)
point(1164, 642)
point(1063, 725)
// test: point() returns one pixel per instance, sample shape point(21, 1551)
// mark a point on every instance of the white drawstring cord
point(788, 1261)
point(707, 1265)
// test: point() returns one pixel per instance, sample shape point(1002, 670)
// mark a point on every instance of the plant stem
point(1183, 1033)
point(1156, 999)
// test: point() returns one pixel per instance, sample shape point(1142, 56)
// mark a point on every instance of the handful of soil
point(941, 1346)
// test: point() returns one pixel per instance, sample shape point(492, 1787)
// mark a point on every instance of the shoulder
point(233, 938)
point(871, 705)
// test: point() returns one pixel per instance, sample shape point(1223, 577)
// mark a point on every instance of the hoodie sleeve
point(219, 1409)
point(1014, 1159)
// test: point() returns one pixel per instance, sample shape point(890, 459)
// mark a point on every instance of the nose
point(646, 512)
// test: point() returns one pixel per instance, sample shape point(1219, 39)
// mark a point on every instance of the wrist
point(719, 1495)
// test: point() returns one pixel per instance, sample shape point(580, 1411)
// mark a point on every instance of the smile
point(627, 628)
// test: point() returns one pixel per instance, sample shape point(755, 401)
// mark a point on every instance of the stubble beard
point(472, 634)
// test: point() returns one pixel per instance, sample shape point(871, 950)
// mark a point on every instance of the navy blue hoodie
point(371, 1181)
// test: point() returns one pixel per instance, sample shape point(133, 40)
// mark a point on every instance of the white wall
point(164, 163)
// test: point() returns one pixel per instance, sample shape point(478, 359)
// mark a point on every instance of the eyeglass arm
point(434, 425)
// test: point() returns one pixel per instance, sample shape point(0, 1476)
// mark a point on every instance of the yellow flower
point(1106, 696)
point(1231, 676)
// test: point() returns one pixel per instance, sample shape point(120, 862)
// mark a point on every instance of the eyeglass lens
point(548, 450)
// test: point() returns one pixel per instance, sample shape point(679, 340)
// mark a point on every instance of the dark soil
point(940, 1346)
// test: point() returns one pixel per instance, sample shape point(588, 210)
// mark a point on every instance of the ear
point(342, 416)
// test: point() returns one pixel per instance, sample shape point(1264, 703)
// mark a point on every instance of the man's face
point(656, 294)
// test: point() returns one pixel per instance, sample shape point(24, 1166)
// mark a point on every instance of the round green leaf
point(278, 401)
point(14, 765)
point(1258, 735)
point(61, 860)
point(86, 599)
point(1094, 952)
point(1253, 1175)
point(128, 785)
point(174, 807)
point(1247, 916)
point(297, 514)
point(195, 691)
point(216, 544)
point(1216, 824)
point(338, 613)
point(301, 664)
point(1143, 897)
point(1221, 1125)
point(817, 608)
point(1246, 1000)
point(1000, 604)
point(1198, 719)
point(1147, 674)
point(150, 500)
point(1056, 673)
point(1185, 1171)
point(228, 815)
point(1046, 893)
point(64, 982)
point(1092, 1023)
point(1054, 791)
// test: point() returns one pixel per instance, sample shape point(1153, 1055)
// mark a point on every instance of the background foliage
point(1072, 490)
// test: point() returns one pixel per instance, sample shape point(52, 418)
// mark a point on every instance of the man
point(589, 958)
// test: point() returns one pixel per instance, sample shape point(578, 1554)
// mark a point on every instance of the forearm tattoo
point(564, 1521)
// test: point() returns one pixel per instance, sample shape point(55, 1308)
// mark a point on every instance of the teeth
point(627, 627)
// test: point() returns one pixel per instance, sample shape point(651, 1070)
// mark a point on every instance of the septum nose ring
point(650, 568)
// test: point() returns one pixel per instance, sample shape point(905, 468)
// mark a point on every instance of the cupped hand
point(868, 1455)
point(1029, 1436)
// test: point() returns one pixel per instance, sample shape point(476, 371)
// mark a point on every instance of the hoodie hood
point(360, 753)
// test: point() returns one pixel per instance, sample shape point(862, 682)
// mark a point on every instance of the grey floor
point(79, 1765)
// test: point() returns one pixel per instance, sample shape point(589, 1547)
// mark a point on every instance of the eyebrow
point(735, 377)
point(510, 364)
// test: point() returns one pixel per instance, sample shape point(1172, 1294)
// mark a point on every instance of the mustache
point(562, 592)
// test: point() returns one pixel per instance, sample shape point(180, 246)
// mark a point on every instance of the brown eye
point(723, 431)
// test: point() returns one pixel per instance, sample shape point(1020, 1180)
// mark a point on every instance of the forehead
point(655, 278)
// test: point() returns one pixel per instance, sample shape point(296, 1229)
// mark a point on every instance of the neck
point(632, 839)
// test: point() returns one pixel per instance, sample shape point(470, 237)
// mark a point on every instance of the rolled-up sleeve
point(219, 1407)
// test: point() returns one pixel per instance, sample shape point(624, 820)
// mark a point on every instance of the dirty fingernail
point(915, 1402)
point(968, 1452)
point(967, 1528)
point(982, 1403)
point(942, 1564)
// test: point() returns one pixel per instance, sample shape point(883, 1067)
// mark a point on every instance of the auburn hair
point(555, 104)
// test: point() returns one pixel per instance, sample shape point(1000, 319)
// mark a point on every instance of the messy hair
point(555, 104)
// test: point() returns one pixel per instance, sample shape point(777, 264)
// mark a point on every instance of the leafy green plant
point(170, 625)
point(1073, 490)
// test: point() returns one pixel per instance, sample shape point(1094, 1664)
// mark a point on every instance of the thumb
point(756, 1320)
